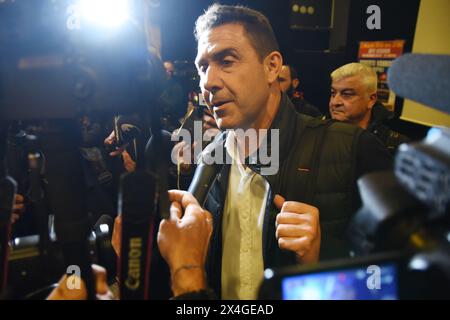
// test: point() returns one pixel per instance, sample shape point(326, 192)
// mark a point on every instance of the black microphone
point(205, 174)
point(422, 78)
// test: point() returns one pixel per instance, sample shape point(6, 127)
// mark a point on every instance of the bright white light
point(268, 273)
point(311, 293)
point(104, 228)
point(109, 13)
point(418, 264)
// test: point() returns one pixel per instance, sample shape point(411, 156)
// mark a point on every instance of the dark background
point(315, 53)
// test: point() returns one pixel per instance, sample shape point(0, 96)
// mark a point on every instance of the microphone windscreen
point(422, 78)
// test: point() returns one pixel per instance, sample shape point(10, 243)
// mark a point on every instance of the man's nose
point(212, 81)
point(335, 100)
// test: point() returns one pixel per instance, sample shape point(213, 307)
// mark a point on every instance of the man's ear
point(295, 83)
point(272, 65)
point(372, 100)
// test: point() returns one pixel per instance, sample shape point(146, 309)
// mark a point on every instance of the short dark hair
point(256, 25)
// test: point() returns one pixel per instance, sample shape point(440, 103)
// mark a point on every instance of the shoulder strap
point(320, 132)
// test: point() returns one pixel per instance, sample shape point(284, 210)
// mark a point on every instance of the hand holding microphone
point(183, 241)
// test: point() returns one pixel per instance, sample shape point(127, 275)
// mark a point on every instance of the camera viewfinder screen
point(375, 282)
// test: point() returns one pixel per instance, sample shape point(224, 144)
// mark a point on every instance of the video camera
point(60, 61)
point(401, 235)
point(87, 67)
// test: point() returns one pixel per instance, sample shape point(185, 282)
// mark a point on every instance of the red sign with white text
point(379, 55)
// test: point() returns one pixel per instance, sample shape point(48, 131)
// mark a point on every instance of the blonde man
point(354, 100)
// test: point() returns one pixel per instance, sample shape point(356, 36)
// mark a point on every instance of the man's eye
point(347, 95)
point(227, 62)
point(202, 68)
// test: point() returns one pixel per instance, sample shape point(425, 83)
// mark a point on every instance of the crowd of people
point(252, 221)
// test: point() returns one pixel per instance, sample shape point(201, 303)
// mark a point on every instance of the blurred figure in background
point(174, 98)
point(289, 84)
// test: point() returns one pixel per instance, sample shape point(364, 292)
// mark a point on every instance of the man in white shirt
point(239, 80)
